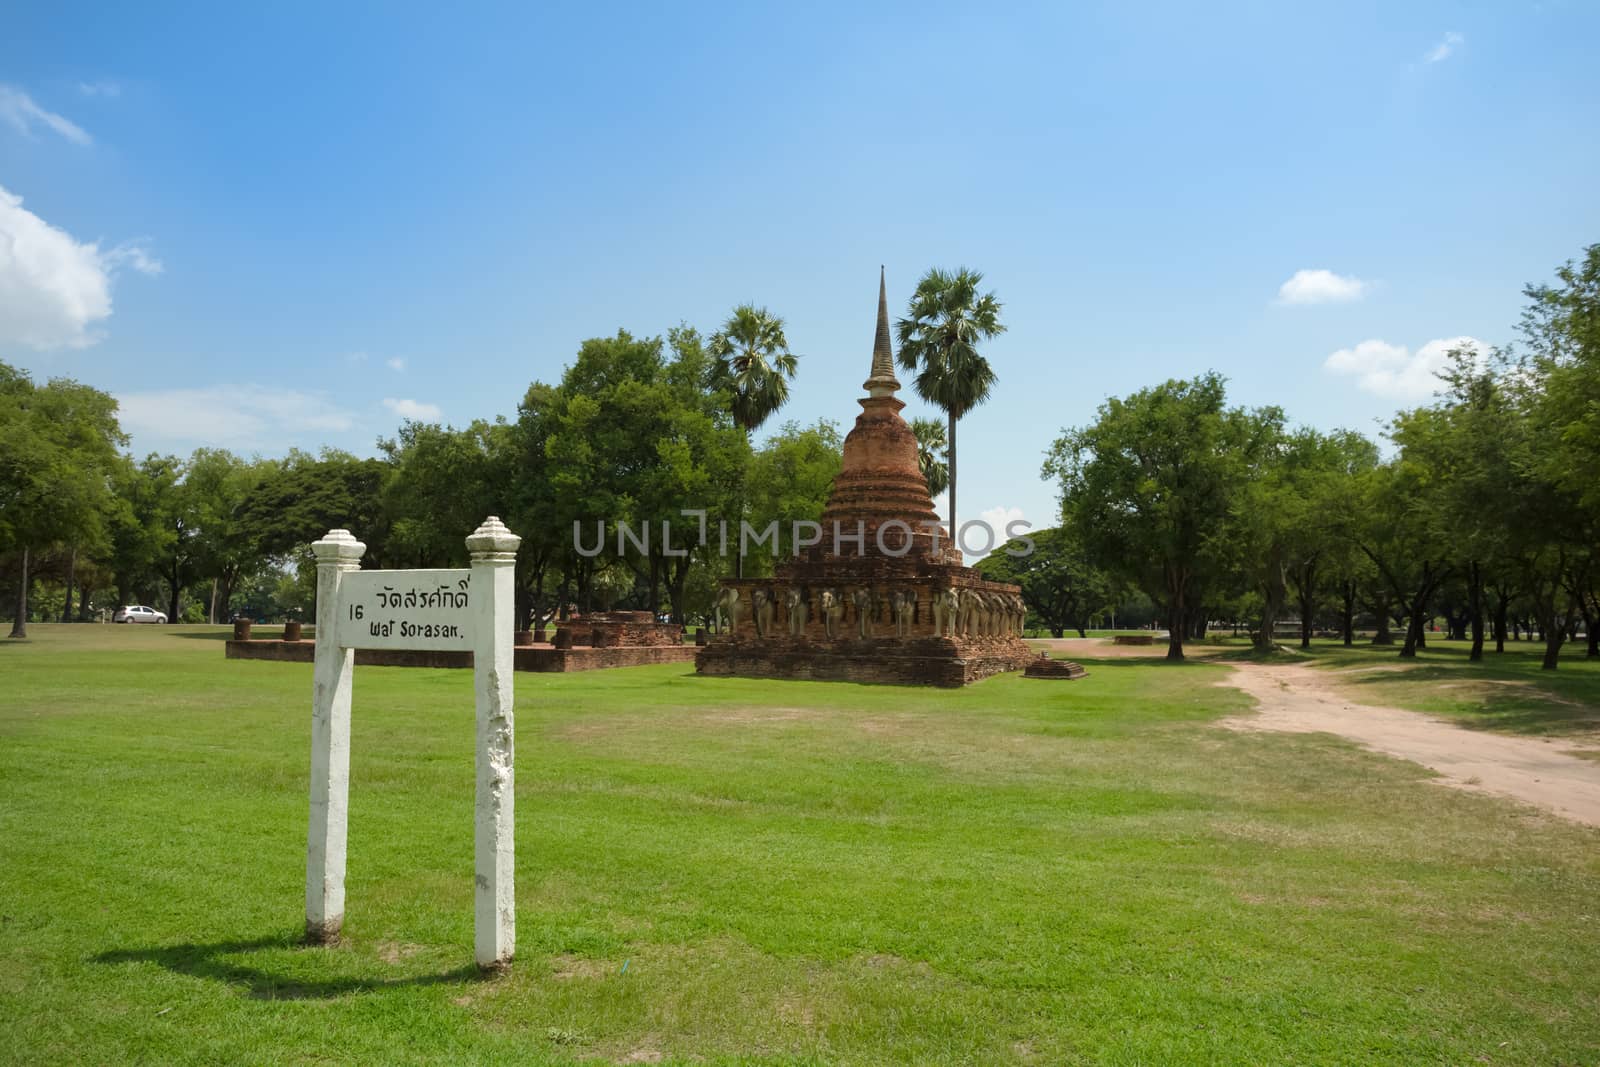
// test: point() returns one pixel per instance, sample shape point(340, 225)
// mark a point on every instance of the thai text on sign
point(423, 609)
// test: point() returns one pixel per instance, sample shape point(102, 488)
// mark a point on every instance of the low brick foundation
point(1045, 667)
point(527, 658)
point(950, 662)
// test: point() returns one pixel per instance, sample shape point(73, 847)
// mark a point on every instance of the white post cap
point(337, 547)
point(492, 542)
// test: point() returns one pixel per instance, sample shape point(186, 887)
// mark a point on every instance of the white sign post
point(419, 609)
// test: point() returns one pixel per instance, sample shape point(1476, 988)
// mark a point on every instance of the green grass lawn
point(733, 871)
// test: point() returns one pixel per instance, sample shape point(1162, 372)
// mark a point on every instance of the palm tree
point(933, 453)
point(754, 365)
point(938, 340)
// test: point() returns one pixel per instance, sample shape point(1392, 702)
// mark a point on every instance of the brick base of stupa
point(941, 661)
point(877, 648)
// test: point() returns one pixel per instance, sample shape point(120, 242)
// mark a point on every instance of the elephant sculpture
point(862, 598)
point(761, 601)
point(794, 602)
point(1019, 612)
point(729, 609)
point(831, 603)
point(902, 605)
point(947, 610)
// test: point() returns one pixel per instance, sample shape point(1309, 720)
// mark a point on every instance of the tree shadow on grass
point(214, 961)
point(1486, 699)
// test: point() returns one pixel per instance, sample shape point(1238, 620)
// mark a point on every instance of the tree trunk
point(1348, 587)
point(1500, 605)
point(1408, 650)
point(738, 548)
point(1555, 637)
point(72, 573)
point(1475, 595)
point(1177, 619)
point(1382, 635)
point(84, 588)
point(955, 535)
point(19, 623)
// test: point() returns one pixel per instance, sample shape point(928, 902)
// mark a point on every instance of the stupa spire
point(883, 382)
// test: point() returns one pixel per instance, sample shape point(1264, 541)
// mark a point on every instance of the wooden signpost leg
point(493, 550)
point(330, 744)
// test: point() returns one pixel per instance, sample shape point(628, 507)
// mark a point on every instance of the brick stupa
point(884, 596)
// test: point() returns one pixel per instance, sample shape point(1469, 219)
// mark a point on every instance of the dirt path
point(1297, 699)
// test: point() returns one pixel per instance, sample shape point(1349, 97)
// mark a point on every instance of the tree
point(441, 482)
point(752, 367)
point(1153, 483)
point(938, 341)
point(56, 456)
point(1059, 584)
point(791, 477)
point(305, 496)
point(227, 547)
point(933, 453)
point(634, 437)
point(139, 538)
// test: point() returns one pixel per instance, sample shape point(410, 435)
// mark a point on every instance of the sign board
point(468, 610)
point(426, 609)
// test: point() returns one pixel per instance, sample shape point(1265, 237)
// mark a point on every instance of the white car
point(138, 613)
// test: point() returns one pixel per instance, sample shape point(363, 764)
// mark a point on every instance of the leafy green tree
point(442, 482)
point(933, 453)
point(939, 337)
point(308, 495)
point(791, 478)
point(1403, 529)
point(1560, 375)
point(1153, 485)
point(56, 457)
point(139, 537)
point(634, 436)
point(227, 548)
point(1059, 584)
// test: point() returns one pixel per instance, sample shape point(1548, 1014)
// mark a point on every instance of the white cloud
point(1394, 372)
point(55, 289)
point(997, 518)
point(133, 254)
point(415, 410)
point(1321, 287)
point(235, 416)
point(395, 364)
point(18, 109)
point(1443, 50)
point(100, 88)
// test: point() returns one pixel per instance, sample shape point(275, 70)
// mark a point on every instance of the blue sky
point(274, 225)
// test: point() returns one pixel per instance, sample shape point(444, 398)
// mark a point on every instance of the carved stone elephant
point(903, 603)
point(999, 615)
point(794, 602)
point(761, 600)
point(729, 609)
point(862, 599)
point(948, 605)
point(831, 603)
